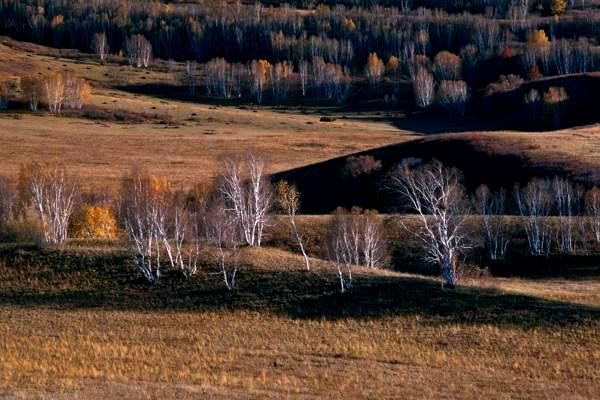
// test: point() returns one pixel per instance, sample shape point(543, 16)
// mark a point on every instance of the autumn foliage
point(94, 222)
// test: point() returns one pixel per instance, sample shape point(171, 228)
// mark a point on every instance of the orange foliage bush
point(94, 223)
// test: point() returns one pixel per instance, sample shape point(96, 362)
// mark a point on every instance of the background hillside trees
point(139, 51)
point(100, 45)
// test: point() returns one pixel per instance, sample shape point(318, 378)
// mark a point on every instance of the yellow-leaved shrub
point(94, 222)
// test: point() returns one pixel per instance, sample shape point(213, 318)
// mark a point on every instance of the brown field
point(77, 324)
point(186, 141)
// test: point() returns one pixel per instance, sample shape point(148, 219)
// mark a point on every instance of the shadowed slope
point(270, 280)
point(496, 159)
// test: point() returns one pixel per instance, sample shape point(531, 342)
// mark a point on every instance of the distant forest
point(343, 32)
point(447, 51)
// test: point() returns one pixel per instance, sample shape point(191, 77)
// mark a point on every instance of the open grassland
point(100, 153)
point(186, 141)
point(77, 323)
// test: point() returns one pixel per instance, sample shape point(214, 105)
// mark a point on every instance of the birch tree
point(568, 203)
point(139, 51)
point(280, 74)
point(339, 249)
point(141, 210)
point(222, 78)
point(53, 193)
point(189, 77)
point(303, 71)
point(534, 203)
point(423, 87)
point(259, 73)
point(453, 96)
point(223, 231)
point(372, 240)
point(435, 193)
point(33, 91)
point(7, 199)
point(100, 45)
point(289, 200)
point(491, 208)
point(54, 86)
point(248, 196)
point(592, 206)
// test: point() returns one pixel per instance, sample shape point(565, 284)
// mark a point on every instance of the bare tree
point(563, 55)
point(223, 79)
point(76, 91)
point(372, 241)
point(339, 248)
point(518, 12)
point(187, 241)
point(583, 57)
point(423, 87)
point(534, 203)
point(289, 200)
point(54, 86)
point(142, 210)
point(406, 6)
point(178, 232)
point(303, 68)
point(280, 73)
point(100, 45)
point(222, 229)
point(189, 76)
point(7, 199)
point(331, 81)
point(453, 96)
point(436, 194)
point(568, 201)
point(33, 91)
point(139, 51)
point(592, 206)
point(54, 194)
point(249, 200)
point(490, 207)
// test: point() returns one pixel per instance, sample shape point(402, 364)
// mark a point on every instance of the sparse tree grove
point(177, 230)
point(460, 57)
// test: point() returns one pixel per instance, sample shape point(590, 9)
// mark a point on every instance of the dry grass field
point(186, 141)
point(77, 324)
point(183, 141)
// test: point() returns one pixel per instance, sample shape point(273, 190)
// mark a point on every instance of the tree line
point(167, 228)
point(340, 35)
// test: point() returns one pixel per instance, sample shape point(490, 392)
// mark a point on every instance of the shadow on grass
point(109, 281)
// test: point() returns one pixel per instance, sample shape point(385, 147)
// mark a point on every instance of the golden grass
point(266, 340)
point(190, 147)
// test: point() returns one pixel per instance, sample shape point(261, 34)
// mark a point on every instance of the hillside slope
point(493, 158)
